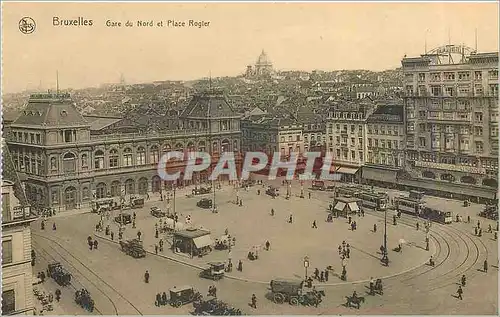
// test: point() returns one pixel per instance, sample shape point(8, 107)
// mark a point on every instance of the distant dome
point(263, 60)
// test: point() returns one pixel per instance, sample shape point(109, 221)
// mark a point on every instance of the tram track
point(101, 280)
point(41, 251)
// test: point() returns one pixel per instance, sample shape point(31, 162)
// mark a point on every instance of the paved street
point(115, 280)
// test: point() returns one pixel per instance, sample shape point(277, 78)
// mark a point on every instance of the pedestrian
point(322, 276)
point(362, 212)
point(326, 275)
point(158, 300)
point(374, 227)
point(478, 224)
point(417, 226)
point(476, 231)
point(309, 195)
point(489, 228)
point(290, 219)
point(134, 215)
point(156, 249)
point(348, 253)
point(468, 219)
point(58, 294)
point(42, 276)
point(254, 301)
point(161, 245)
point(258, 191)
point(349, 219)
point(460, 292)
point(226, 232)
point(316, 273)
point(54, 226)
point(42, 225)
point(372, 286)
point(139, 234)
point(463, 280)
point(95, 244)
point(480, 234)
point(340, 250)
point(112, 235)
point(240, 266)
point(268, 245)
point(272, 212)
point(133, 224)
point(156, 234)
point(91, 244)
point(164, 298)
point(314, 225)
point(147, 196)
point(485, 266)
point(241, 202)
point(146, 277)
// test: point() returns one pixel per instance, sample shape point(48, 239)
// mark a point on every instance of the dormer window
point(64, 113)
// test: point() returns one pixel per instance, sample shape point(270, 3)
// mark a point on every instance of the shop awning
point(353, 206)
point(203, 241)
point(339, 206)
point(347, 170)
point(379, 174)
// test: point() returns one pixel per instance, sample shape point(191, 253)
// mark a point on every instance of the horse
point(354, 300)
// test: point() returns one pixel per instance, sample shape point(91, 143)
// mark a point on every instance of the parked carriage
point(84, 300)
point(490, 212)
point(318, 185)
point(205, 203)
point(123, 219)
point(156, 212)
point(59, 274)
point(133, 248)
point(136, 202)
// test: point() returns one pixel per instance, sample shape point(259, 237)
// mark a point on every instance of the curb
point(262, 282)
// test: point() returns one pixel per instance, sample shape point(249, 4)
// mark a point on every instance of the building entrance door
point(70, 198)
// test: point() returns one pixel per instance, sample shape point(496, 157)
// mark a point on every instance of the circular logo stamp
point(27, 25)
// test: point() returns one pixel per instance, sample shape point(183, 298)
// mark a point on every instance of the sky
point(296, 36)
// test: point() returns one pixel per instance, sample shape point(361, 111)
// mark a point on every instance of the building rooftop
point(209, 104)
point(191, 234)
point(387, 113)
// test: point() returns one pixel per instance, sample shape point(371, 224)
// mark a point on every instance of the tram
point(376, 201)
point(436, 215)
point(409, 206)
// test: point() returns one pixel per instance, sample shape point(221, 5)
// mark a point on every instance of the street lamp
point(385, 258)
point(306, 264)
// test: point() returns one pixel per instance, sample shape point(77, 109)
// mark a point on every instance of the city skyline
point(323, 36)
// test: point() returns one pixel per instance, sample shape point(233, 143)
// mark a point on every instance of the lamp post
point(306, 265)
point(385, 258)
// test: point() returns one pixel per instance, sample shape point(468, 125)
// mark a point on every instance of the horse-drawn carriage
point(291, 291)
point(83, 299)
point(157, 212)
point(102, 205)
point(490, 212)
point(59, 274)
point(133, 248)
point(214, 307)
point(205, 203)
point(377, 288)
point(215, 271)
point(123, 219)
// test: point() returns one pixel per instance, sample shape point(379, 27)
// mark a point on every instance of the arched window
point(129, 187)
point(154, 155)
point(225, 146)
point(115, 189)
point(235, 146)
point(215, 147)
point(143, 186)
point(468, 180)
point(53, 164)
point(100, 191)
point(85, 193)
point(69, 162)
point(99, 159)
point(84, 161)
point(113, 158)
point(201, 146)
point(141, 156)
point(427, 174)
point(179, 147)
point(166, 148)
point(490, 182)
point(127, 157)
point(40, 165)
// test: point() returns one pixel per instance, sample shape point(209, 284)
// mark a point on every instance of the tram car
point(318, 185)
point(348, 191)
point(409, 205)
point(59, 274)
point(376, 201)
point(436, 215)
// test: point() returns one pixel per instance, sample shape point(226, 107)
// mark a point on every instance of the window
point(382, 144)
point(155, 155)
point(353, 141)
point(338, 153)
point(409, 90)
point(99, 159)
point(464, 130)
point(127, 157)
point(421, 76)
point(32, 138)
point(463, 90)
point(479, 147)
point(360, 141)
point(436, 142)
point(448, 143)
point(449, 91)
point(382, 129)
point(493, 89)
point(449, 76)
point(478, 131)
point(338, 127)
point(282, 139)
point(421, 142)
point(353, 155)
point(141, 156)
point(435, 76)
point(396, 130)
point(7, 251)
point(478, 116)
point(463, 76)
point(369, 129)
point(338, 140)
point(85, 193)
point(376, 142)
point(113, 158)
point(68, 136)
point(389, 144)
point(464, 145)
point(410, 114)
point(8, 302)
point(360, 155)
point(6, 216)
point(493, 74)
point(436, 91)
point(478, 75)
point(478, 89)
point(395, 143)
point(84, 161)
point(352, 128)
point(54, 195)
point(369, 142)
point(298, 138)
point(53, 164)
